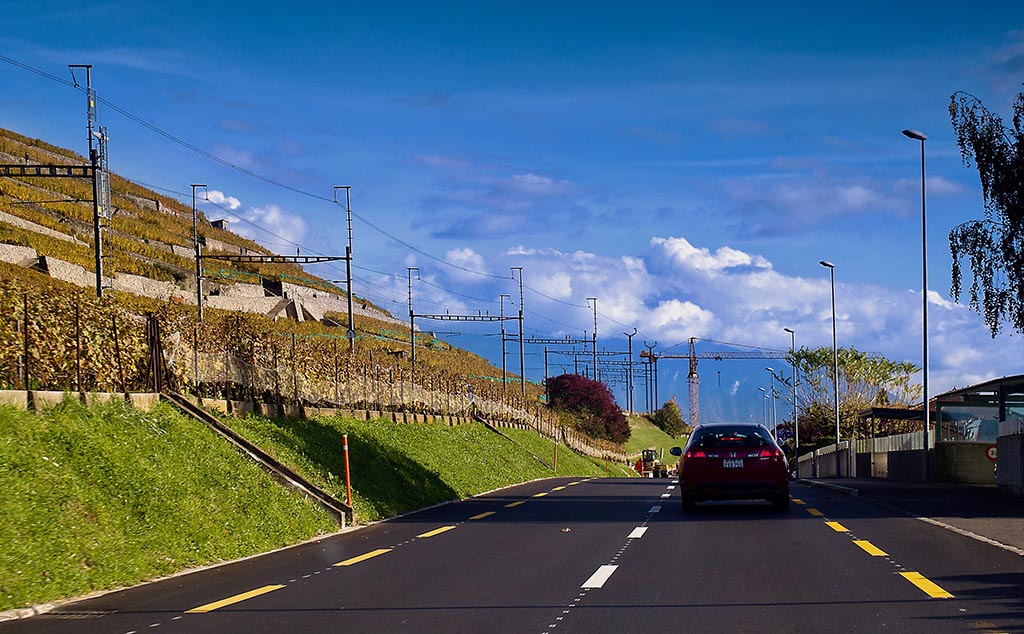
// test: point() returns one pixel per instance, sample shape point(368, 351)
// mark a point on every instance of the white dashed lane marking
point(598, 579)
point(638, 532)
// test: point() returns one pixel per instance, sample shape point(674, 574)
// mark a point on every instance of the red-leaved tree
point(591, 403)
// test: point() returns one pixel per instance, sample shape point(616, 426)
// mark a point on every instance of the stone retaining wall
point(38, 400)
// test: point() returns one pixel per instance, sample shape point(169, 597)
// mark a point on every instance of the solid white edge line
point(967, 533)
point(598, 579)
point(637, 533)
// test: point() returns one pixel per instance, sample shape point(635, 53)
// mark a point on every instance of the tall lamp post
point(921, 136)
point(775, 419)
point(796, 418)
point(764, 406)
point(835, 352)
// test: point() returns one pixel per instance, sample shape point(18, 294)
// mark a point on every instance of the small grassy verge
point(101, 497)
point(569, 462)
point(397, 467)
point(645, 434)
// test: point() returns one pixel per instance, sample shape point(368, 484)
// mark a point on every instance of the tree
point(994, 246)
point(864, 381)
point(669, 420)
point(591, 403)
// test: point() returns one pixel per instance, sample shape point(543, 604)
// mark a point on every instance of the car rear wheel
point(780, 502)
point(689, 503)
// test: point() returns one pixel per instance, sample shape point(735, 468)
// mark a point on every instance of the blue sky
point(687, 164)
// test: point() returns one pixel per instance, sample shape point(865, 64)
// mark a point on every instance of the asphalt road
point(592, 556)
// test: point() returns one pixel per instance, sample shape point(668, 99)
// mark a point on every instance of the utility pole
point(546, 375)
point(595, 334)
point(195, 245)
point(94, 162)
point(412, 318)
point(348, 264)
point(522, 354)
point(629, 379)
point(501, 313)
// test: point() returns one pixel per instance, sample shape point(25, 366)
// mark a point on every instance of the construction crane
point(693, 380)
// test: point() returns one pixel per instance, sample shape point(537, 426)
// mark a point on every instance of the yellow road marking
point(363, 557)
point(870, 548)
point(572, 484)
point(482, 515)
point(796, 501)
point(515, 504)
point(926, 586)
point(837, 527)
point(815, 512)
point(557, 488)
point(436, 531)
point(235, 599)
point(540, 495)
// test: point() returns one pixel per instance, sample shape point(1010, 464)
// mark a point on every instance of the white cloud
point(687, 256)
point(557, 285)
point(466, 257)
point(678, 290)
point(219, 198)
point(272, 224)
point(469, 260)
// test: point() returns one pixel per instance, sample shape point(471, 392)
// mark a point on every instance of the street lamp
point(835, 352)
point(921, 136)
point(764, 406)
point(775, 419)
point(796, 419)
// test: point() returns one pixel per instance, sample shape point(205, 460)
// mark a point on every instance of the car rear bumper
point(747, 490)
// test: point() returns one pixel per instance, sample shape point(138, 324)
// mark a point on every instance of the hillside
point(287, 345)
point(148, 236)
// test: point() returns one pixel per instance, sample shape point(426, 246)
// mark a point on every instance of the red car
point(732, 461)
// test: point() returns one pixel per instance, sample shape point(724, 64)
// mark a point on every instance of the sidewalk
point(980, 511)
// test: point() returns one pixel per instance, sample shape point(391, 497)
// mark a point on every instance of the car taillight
point(770, 453)
point(696, 454)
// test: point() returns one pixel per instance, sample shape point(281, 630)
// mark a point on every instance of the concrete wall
point(43, 399)
point(905, 466)
point(71, 273)
point(902, 465)
point(14, 254)
point(963, 463)
point(1010, 477)
point(31, 226)
point(138, 285)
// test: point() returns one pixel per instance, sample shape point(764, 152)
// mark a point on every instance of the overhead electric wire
point(270, 181)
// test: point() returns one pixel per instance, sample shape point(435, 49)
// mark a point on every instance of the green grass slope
point(397, 468)
point(101, 497)
point(106, 496)
point(645, 434)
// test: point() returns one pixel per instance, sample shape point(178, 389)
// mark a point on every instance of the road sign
point(991, 452)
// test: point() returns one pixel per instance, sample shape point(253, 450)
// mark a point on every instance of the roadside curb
point(833, 487)
point(24, 613)
point(42, 608)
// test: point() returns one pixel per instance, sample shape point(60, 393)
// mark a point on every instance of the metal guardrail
point(336, 508)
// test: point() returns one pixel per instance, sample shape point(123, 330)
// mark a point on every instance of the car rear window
point(725, 436)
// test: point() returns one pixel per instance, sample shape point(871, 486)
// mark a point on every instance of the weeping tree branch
point(994, 246)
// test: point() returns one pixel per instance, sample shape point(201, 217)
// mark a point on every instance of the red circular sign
point(991, 452)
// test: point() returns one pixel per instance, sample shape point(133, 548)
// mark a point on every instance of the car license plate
point(732, 463)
